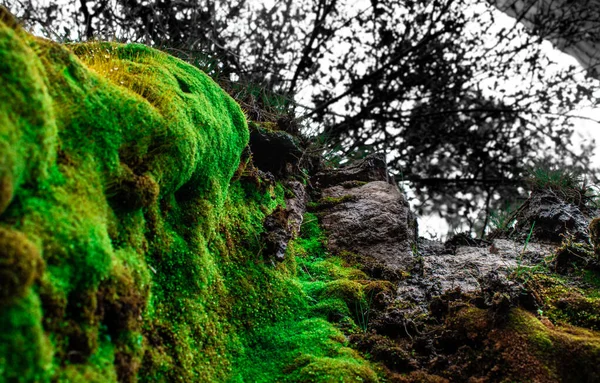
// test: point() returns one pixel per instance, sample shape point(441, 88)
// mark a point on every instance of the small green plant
point(362, 313)
point(569, 185)
point(503, 219)
point(522, 272)
point(555, 179)
point(527, 239)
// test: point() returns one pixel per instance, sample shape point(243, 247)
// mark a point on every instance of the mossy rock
point(127, 250)
point(88, 154)
point(20, 264)
point(327, 369)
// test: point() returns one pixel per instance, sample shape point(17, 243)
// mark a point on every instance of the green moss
point(327, 202)
point(332, 369)
point(567, 304)
point(20, 264)
point(345, 289)
point(545, 348)
point(308, 347)
point(116, 166)
point(25, 352)
point(309, 350)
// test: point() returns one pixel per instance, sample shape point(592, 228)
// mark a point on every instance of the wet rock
point(438, 271)
point(284, 224)
point(372, 220)
point(295, 205)
point(371, 168)
point(274, 151)
point(277, 233)
point(468, 264)
point(553, 217)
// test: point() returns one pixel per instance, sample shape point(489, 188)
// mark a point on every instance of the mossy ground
point(554, 339)
point(130, 251)
point(308, 347)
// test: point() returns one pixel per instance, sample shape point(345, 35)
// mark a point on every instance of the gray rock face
point(475, 270)
point(553, 218)
point(296, 206)
point(372, 220)
point(468, 265)
point(371, 168)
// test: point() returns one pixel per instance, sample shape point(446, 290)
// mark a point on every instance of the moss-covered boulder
point(129, 250)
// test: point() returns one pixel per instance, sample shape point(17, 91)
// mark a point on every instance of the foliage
point(461, 104)
point(503, 220)
point(555, 179)
point(568, 183)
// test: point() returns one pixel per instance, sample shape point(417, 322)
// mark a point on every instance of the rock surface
point(552, 218)
point(465, 268)
point(475, 310)
point(284, 224)
point(372, 220)
point(371, 168)
point(296, 205)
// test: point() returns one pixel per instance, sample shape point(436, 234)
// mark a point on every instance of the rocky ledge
point(522, 305)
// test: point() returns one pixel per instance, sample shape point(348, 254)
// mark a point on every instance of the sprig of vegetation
point(569, 184)
point(503, 220)
point(520, 270)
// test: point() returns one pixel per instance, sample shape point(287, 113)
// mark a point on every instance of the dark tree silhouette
point(461, 105)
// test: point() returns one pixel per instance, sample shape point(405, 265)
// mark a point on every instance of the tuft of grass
point(555, 179)
point(503, 220)
point(523, 273)
point(570, 185)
